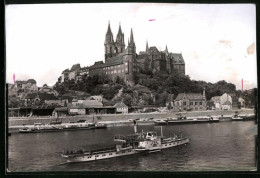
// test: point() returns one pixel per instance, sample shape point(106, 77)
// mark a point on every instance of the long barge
point(39, 128)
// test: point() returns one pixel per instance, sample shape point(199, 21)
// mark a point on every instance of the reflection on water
point(220, 146)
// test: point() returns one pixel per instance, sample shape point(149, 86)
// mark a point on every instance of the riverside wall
point(19, 121)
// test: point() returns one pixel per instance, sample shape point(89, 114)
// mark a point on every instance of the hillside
point(149, 88)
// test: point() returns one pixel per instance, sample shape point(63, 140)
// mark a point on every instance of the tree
point(127, 100)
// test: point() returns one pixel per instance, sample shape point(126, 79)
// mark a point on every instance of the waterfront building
point(121, 108)
point(190, 101)
point(241, 102)
point(222, 102)
point(58, 102)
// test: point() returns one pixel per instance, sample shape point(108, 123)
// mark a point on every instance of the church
point(122, 61)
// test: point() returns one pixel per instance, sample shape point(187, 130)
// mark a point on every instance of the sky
point(217, 41)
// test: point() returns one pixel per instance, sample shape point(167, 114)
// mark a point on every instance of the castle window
point(200, 103)
point(191, 103)
point(196, 103)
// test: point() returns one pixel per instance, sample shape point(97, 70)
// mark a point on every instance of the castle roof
point(117, 60)
point(74, 67)
point(190, 96)
point(153, 49)
point(177, 58)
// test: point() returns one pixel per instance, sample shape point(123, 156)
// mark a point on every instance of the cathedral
point(122, 61)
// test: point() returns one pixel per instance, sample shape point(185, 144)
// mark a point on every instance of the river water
point(223, 146)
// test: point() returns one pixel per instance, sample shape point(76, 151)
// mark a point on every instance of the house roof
point(120, 105)
point(92, 103)
point(190, 96)
point(227, 103)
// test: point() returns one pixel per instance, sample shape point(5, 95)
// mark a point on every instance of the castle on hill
point(122, 61)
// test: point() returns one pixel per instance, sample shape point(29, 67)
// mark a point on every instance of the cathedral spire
point(166, 49)
point(109, 29)
point(147, 46)
point(131, 37)
point(119, 30)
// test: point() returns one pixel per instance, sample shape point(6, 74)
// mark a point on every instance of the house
point(87, 103)
point(241, 102)
point(58, 102)
point(121, 108)
point(60, 111)
point(190, 101)
point(227, 105)
point(216, 102)
point(77, 110)
point(221, 103)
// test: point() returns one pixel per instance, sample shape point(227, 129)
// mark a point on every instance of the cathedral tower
point(109, 43)
point(120, 41)
point(131, 44)
point(147, 47)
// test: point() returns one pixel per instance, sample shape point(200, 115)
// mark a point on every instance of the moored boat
point(129, 145)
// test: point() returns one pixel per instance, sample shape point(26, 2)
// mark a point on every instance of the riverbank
point(123, 118)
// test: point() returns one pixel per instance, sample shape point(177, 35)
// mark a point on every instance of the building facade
point(190, 101)
point(223, 102)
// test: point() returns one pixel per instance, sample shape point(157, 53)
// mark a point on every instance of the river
point(223, 146)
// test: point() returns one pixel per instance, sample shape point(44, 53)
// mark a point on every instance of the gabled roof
point(153, 49)
point(120, 105)
point(190, 96)
point(177, 58)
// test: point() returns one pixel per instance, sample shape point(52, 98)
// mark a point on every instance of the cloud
point(251, 49)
